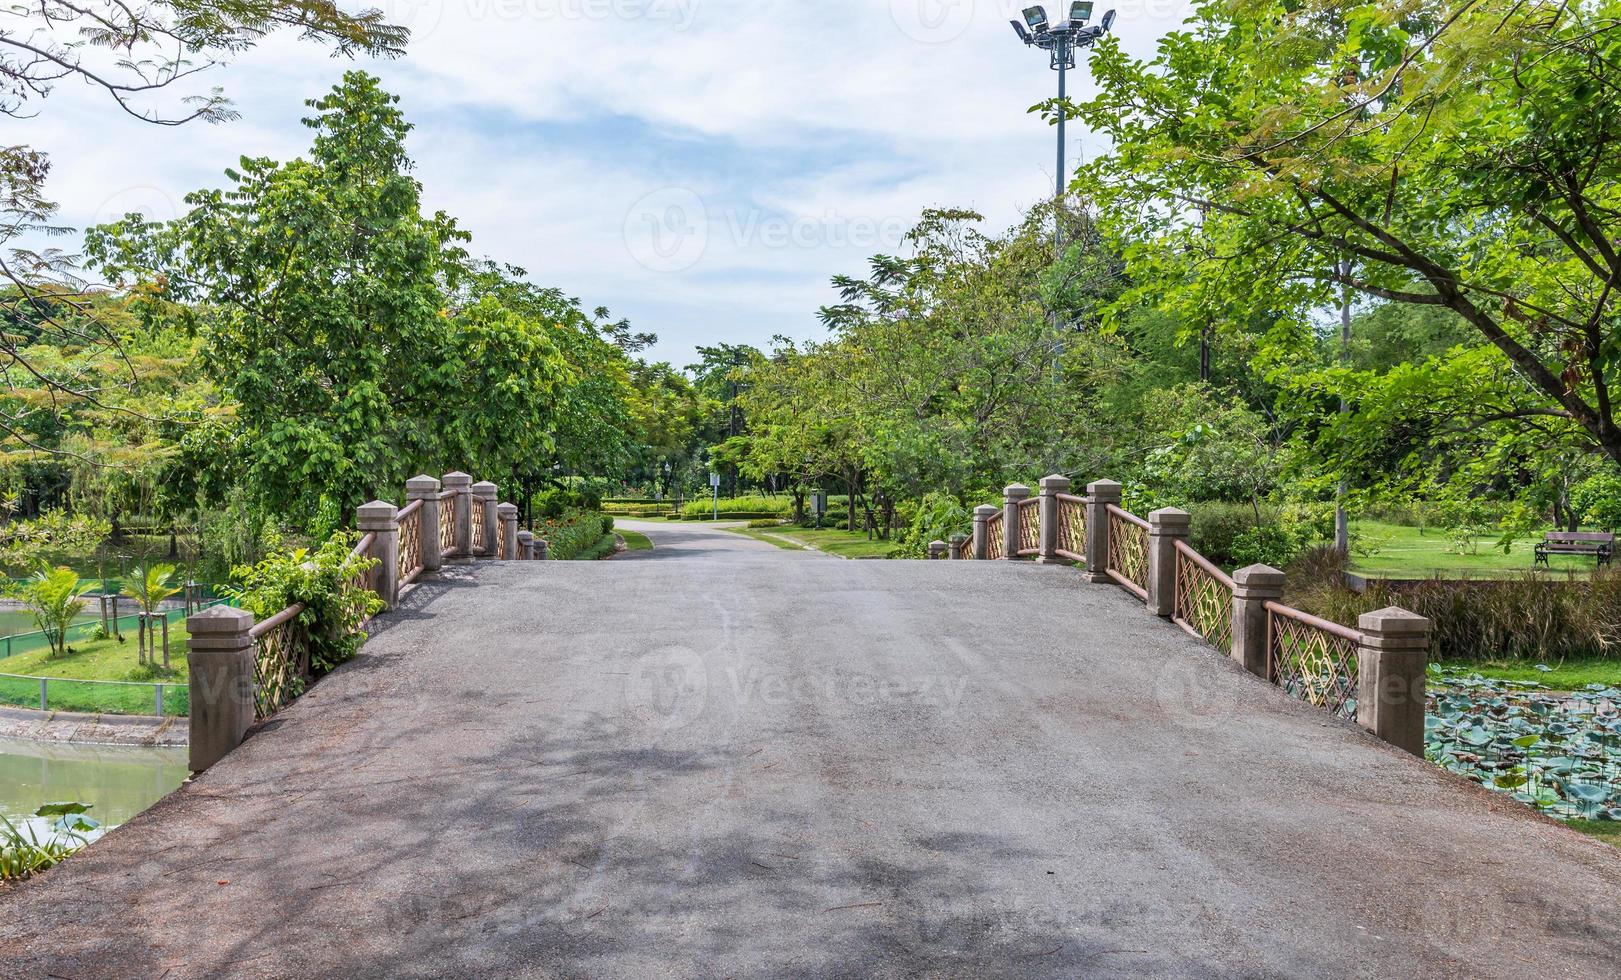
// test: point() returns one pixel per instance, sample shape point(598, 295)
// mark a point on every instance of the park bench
point(1599, 544)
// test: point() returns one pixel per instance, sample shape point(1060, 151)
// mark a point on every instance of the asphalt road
point(737, 761)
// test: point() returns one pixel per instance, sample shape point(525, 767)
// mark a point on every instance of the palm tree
point(56, 598)
point(149, 589)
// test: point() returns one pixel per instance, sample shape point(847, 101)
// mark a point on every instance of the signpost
point(819, 505)
point(714, 487)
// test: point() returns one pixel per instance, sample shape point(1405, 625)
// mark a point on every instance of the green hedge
point(738, 508)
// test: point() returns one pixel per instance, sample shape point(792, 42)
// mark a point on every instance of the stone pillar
point(982, 531)
point(220, 665)
point(484, 493)
point(954, 546)
point(463, 503)
point(937, 550)
point(1166, 526)
point(1051, 487)
point(382, 519)
point(509, 529)
point(1253, 587)
point(426, 489)
point(526, 546)
point(1391, 658)
point(543, 549)
point(1099, 495)
point(1012, 495)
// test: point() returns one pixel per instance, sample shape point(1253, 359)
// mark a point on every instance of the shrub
point(1217, 526)
point(322, 579)
point(1528, 617)
point(1597, 500)
point(760, 522)
point(739, 507)
point(573, 535)
point(937, 518)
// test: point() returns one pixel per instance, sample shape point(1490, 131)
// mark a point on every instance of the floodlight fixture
point(1061, 43)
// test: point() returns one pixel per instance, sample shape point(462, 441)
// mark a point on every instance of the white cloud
point(810, 131)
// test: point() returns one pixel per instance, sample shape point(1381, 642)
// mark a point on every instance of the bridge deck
point(731, 760)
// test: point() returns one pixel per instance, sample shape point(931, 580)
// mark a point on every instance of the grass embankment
point(1608, 831)
point(98, 660)
point(1567, 676)
point(1401, 551)
point(636, 541)
point(834, 541)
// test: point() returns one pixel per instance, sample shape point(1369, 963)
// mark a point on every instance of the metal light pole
point(1061, 41)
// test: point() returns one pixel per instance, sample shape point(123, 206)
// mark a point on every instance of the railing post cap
point(985, 511)
point(526, 536)
point(507, 510)
point(1393, 621)
point(217, 620)
point(419, 487)
point(458, 479)
point(484, 488)
point(1104, 491)
point(1016, 491)
point(959, 538)
point(379, 515)
point(1259, 577)
point(1170, 517)
point(937, 545)
point(1055, 482)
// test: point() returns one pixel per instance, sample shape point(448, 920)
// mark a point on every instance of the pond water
point(119, 781)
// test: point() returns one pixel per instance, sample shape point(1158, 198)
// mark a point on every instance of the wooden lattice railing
point(1128, 551)
point(995, 547)
point(281, 660)
point(447, 522)
point(410, 560)
point(965, 548)
point(1312, 659)
point(1029, 527)
point(1203, 603)
point(1071, 527)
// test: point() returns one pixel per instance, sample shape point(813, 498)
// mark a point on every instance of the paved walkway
point(742, 761)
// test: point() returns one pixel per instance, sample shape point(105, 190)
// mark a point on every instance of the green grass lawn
point(1608, 831)
point(93, 661)
point(636, 541)
point(834, 541)
point(1566, 676)
point(1399, 551)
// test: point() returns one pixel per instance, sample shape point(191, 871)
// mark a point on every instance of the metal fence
point(410, 557)
point(1128, 551)
point(1072, 527)
point(1203, 604)
point(995, 547)
point(1312, 659)
point(95, 697)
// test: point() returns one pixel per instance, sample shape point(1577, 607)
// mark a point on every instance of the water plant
point(1558, 751)
point(24, 852)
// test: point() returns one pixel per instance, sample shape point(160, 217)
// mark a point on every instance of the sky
point(702, 167)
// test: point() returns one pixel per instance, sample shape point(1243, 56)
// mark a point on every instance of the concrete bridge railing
point(242, 671)
point(1373, 674)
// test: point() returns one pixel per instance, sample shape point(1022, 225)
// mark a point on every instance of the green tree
point(56, 598)
point(151, 585)
point(1450, 154)
point(317, 285)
